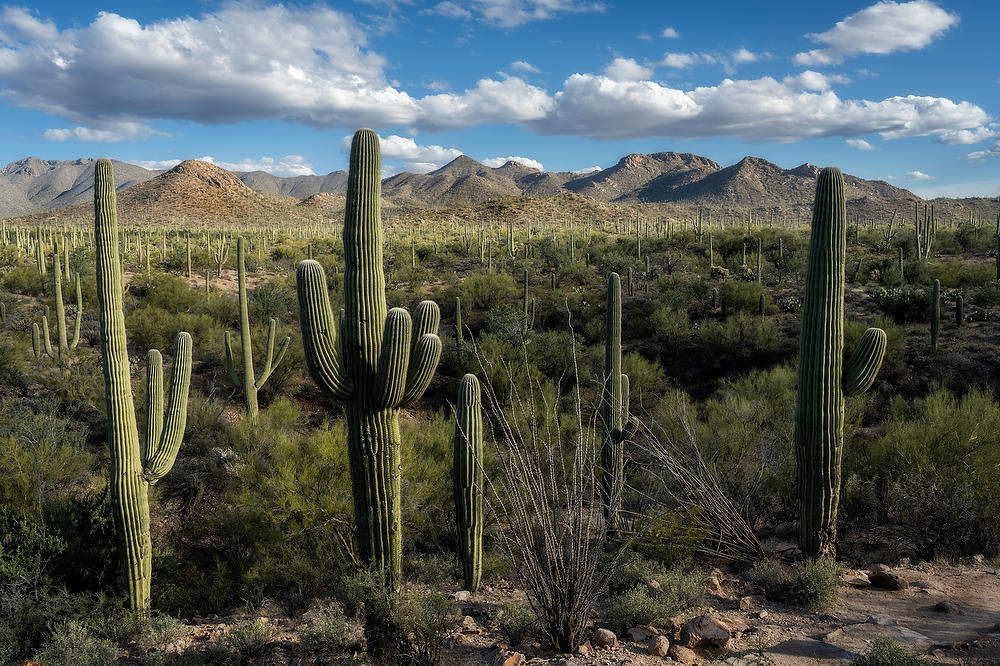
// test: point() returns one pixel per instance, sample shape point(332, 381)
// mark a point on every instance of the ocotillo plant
point(249, 384)
point(824, 379)
point(374, 368)
point(618, 425)
point(935, 314)
point(133, 468)
point(467, 480)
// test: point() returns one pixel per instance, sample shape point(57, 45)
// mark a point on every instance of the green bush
point(73, 644)
point(663, 594)
point(904, 305)
point(741, 297)
point(250, 638)
point(330, 630)
point(812, 583)
point(887, 652)
point(516, 622)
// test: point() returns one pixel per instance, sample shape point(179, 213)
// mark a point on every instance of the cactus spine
point(377, 367)
point(133, 468)
point(249, 385)
point(467, 480)
point(824, 379)
point(618, 425)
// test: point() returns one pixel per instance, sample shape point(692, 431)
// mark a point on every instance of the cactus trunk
point(824, 379)
point(467, 479)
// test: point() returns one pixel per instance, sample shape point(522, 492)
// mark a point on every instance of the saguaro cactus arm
point(234, 376)
point(862, 368)
point(394, 359)
point(319, 332)
point(271, 361)
point(424, 353)
point(163, 444)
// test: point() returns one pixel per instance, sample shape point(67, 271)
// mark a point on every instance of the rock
point(884, 577)
point(948, 607)
point(584, 649)
point(978, 560)
point(658, 646)
point(469, 626)
point(461, 595)
point(763, 614)
point(716, 581)
point(860, 579)
point(603, 638)
point(682, 654)
point(882, 620)
point(749, 603)
point(637, 634)
point(515, 659)
point(703, 630)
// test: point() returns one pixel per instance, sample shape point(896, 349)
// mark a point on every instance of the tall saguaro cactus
point(249, 384)
point(618, 425)
point(133, 468)
point(824, 378)
point(63, 343)
point(383, 361)
point(467, 479)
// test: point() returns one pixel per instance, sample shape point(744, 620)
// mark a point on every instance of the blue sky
point(906, 91)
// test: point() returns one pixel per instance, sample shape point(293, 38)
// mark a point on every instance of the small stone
point(658, 646)
point(978, 560)
point(637, 634)
point(682, 654)
point(858, 579)
point(716, 581)
point(763, 614)
point(884, 577)
point(948, 607)
point(515, 659)
point(704, 629)
point(603, 638)
point(469, 626)
point(748, 603)
point(584, 649)
point(461, 595)
point(882, 620)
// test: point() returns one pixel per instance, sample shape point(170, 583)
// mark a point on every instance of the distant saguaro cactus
point(133, 468)
point(824, 379)
point(249, 384)
point(935, 314)
point(63, 343)
point(467, 479)
point(382, 363)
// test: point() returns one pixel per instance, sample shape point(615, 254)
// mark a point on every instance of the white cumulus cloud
point(812, 80)
point(860, 144)
point(882, 28)
point(670, 33)
point(495, 162)
point(685, 60)
point(121, 131)
point(626, 69)
point(585, 170)
point(523, 66)
point(965, 136)
point(284, 167)
point(417, 158)
point(981, 155)
point(918, 175)
point(742, 55)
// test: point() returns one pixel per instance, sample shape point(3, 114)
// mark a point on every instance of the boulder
point(658, 646)
point(884, 577)
point(704, 630)
point(638, 634)
point(603, 638)
point(678, 652)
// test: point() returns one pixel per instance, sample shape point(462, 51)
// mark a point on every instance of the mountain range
point(199, 191)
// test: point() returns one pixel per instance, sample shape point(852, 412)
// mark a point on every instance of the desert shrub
point(887, 652)
point(742, 334)
point(121, 627)
point(330, 630)
point(812, 583)
point(72, 643)
point(670, 326)
point(644, 376)
point(153, 327)
point(960, 273)
point(904, 305)
point(484, 291)
point(434, 569)
point(741, 296)
point(163, 290)
point(24, 279)
point(516, 622)
point(401, 628)
point(250, 638)
point(670, 537)
point(275, 298)
point(644, 592)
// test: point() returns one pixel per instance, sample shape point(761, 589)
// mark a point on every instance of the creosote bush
point(810, 583)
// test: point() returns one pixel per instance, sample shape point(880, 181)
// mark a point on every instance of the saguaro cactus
point(618, 425)
point(382, 363)
point(249, 385)
point(64, 344)
point(824, 378)
point(935, 314)
point(467, 479)
point(133, 468)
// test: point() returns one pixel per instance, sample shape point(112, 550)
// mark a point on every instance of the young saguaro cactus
point(133, 468)
point(618, 424)
point(467, 479)
point(824, 378)
point(249, 384)
point(383, 361)
point(64, 343)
